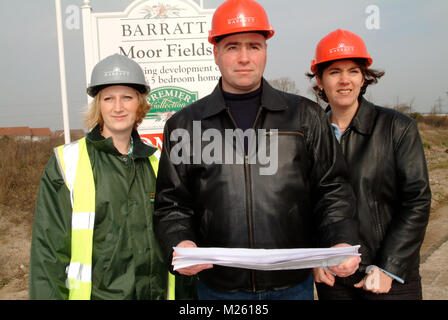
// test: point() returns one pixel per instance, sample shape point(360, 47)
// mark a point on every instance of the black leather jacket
point(388, 173)
point(308, 202)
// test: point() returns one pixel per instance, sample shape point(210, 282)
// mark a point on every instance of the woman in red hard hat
point(385, 157)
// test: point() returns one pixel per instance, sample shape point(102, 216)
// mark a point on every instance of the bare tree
point(437, 107)
point(403, 107)
point(410, 104)
point(284, 84)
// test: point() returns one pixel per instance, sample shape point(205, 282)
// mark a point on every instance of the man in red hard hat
point(305, 202)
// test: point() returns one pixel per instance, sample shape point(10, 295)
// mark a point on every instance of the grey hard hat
point(117, 70)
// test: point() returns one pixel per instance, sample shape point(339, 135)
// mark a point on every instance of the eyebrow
point(234, 43)
point(339, 68)
point(237, 43)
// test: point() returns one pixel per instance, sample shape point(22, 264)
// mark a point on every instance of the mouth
point(119, 117)
point(344, 91)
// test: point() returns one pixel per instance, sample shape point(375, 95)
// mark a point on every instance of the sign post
point(168, 38)
point(62, 71)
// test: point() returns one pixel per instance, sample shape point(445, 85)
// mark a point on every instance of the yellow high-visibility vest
point(74, 163)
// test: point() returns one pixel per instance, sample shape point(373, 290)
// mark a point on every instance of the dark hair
point(219, 38)
point(371, 76)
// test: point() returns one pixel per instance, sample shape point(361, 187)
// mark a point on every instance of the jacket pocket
point(285, 132)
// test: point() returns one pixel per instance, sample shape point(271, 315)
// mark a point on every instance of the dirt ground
point(15, 239)
point(15, 236)
point(434, 251)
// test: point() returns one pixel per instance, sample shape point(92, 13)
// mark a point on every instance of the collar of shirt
point(336, 130)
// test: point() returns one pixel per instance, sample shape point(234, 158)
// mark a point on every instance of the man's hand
point(348, 267)
point(192, 270)
point(322, 275)
point(376, 281)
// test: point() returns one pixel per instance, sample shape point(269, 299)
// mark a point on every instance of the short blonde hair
point(93, 117)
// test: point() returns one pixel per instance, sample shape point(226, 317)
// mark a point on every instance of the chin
point(345, 103)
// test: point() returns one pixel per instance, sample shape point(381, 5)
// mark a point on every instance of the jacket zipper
point(248, 193)
point(378, 225)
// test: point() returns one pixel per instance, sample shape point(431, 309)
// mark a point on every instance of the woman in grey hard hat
point(93, 234)
point(117, 72)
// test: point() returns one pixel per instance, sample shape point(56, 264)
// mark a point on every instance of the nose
point(118, 105)
point(244, 55)
point(344, 79)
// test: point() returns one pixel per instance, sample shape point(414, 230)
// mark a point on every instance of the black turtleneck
point(244, 107)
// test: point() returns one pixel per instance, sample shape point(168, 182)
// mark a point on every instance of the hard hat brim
point(315, 66)
point(94, 90)
point(214, 39)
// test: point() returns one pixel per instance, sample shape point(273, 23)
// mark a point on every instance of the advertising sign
point(168, 38)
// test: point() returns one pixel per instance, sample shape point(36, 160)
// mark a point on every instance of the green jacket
point(127, 262)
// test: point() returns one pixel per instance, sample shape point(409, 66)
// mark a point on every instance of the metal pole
point(88, 41)
point(62, 71)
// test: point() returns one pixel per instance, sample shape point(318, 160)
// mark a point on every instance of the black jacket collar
point(364, 119)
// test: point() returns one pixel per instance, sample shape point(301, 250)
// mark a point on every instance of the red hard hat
point(235, 16)
point(340, 44)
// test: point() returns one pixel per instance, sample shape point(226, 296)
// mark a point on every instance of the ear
point(319, 82)
point(215, 54)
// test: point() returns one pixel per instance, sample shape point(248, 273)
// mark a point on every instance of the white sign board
point(168, 38)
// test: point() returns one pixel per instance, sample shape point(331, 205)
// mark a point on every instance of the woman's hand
point(375, 281)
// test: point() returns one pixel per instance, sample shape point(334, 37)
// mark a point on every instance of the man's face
point(241, 58)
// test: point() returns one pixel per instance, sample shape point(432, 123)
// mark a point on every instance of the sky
point(406, 39)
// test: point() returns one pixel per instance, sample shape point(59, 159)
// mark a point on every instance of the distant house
point(39, 134)
point(19, 133)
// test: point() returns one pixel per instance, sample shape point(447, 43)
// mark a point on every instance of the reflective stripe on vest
point(74, 163)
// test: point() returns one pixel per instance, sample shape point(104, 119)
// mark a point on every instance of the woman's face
point(342, 82)
point(119, 105)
